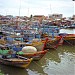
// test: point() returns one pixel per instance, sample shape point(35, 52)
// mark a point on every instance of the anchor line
point(68, 42)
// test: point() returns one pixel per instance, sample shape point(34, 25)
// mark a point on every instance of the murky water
point(55, 62)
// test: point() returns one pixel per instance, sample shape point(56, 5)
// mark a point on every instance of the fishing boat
point(18, 62)
point(68, 36)
point(17, 46)
point(7, 58)
point(52, 43)
point(69, 39)
point(37, 55)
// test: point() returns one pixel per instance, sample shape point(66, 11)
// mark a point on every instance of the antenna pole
point(19, 7)
point(50, 9)
point(28, 11)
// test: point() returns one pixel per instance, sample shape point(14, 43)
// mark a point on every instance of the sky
point(37, 7)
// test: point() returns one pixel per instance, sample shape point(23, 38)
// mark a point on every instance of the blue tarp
point(9, 39)
point(17, 48)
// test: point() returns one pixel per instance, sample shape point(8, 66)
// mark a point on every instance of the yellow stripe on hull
point(26, 65)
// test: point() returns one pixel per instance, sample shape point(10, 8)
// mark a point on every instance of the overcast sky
point(36, 7)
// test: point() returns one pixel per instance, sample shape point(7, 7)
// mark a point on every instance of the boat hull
point(54, 43)
point(36, 56)
point(16, 62)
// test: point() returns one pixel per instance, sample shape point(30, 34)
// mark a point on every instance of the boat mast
point(19, 7)
point(74, 9)
point(18, 18)
point(50, 9)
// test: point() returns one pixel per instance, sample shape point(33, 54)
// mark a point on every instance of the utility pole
point(19, 7)
point(28, 11)
point(50, 8)
point(74, 9)
point(74, 5)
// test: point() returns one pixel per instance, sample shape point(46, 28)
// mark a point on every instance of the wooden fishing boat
point(68, 35)
point(50, 44)
point(17, 62)
point(7, 58)
point(38, 45)
point(37, 55)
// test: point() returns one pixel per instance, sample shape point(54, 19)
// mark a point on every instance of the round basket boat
point(29, 49)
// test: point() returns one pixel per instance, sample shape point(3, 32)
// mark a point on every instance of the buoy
point(29, 49)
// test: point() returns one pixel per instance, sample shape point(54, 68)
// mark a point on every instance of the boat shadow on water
point(10, 70)
point(33, 69)
point(51, 57)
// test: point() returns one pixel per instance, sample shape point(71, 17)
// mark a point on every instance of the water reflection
point(66, 65)
point(36, 69)
point(51, 56)
point(66, 49)
point(8, 70)
point(33, 69)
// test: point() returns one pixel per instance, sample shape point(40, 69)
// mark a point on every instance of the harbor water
point(56, 62)
point(68, 31)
